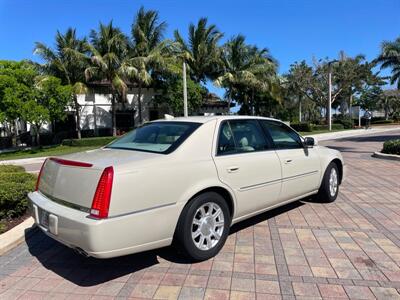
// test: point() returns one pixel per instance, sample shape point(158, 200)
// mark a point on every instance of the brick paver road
point(306, 250)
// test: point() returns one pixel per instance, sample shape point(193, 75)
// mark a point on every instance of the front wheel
point(329, 188)
point(203, 226)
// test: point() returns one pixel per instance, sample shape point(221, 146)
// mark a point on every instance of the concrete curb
point(15, 236)
point(24, 161)
point(386, 156)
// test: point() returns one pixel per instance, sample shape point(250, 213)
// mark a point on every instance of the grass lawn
point(52, 151)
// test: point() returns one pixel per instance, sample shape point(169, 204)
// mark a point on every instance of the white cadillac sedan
point(185, 180)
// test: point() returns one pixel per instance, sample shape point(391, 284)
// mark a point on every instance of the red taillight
point(71, 163)
point(40, 174)
point(102, 196)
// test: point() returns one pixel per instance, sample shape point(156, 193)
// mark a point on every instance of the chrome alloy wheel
point(333, 182)
point(207, 226)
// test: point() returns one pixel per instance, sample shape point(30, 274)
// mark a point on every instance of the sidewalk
point(352, 133)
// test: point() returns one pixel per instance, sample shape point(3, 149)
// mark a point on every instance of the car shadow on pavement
point(87, 272)
point(372, 138)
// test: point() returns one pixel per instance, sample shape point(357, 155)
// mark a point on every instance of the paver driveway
point(346, 249)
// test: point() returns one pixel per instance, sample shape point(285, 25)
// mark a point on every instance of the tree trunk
point(386, 109)
point(252, 102)
point(96, 132)
point(299, 109)
point(229, 105)
point(140, 103)
point(37, 135)
point(78, 117)
point(114, 115)
point(350, 105)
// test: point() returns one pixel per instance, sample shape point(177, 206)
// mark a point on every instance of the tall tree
point(67, 61)
point(390, 58)
point(201, 52)
point(246, 68)
point(147, 53)
point(108, 48)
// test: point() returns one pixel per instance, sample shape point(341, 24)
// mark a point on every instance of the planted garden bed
point(15, 184)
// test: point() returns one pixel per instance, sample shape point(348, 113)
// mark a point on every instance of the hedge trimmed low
point(326, 127)
point(11, 169)
point(382, 122)
point(15, 184)
point(88, 142)
point(391, 147)
point(306, 127)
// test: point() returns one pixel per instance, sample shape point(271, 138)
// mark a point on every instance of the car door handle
point(232, 169)
point(288, 161)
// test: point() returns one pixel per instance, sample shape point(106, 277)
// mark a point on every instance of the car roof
point(205, 119)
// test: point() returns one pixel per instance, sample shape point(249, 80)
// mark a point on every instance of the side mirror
point(309, 142)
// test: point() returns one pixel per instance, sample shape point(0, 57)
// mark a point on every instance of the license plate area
point(44, 218)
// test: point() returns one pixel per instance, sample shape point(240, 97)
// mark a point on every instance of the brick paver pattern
point(349, 249)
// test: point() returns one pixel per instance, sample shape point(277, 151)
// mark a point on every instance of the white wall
point(102, 103)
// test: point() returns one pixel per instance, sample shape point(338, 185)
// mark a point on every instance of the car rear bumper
point(115, 236)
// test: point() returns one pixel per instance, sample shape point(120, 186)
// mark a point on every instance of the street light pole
point(185, 103)
point(330, 93)
point(330, 96)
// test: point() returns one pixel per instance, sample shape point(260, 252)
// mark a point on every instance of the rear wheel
point(329, 188)
point(203, 226)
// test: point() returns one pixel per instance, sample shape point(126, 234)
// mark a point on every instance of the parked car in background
point(185, 180)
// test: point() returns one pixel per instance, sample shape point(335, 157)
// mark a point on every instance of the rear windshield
point(156, 137)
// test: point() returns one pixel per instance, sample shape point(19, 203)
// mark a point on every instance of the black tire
point(183, 234)
point(324, 193)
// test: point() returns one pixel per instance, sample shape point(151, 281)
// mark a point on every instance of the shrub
point(326, 127)
point(306, 127)
point(88, 142)
point(2, 227)
point(14, 188)
point(391, 147)
point(382, 121)
point(11, 169)
point(347, 123)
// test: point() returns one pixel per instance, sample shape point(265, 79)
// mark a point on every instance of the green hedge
point(391, 147)
point(347, 123)
point(89, 142)
point(326, 127)
point(382, 121)
point(306, 127)
point(11, 169)
point(14, 187)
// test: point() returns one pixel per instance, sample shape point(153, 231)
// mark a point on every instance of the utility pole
point(185, 103)
point(330, 93)
point(330, 97)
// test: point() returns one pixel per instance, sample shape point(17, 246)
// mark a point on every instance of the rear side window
point(240, 136)
point(283, 136)
point(156, 137)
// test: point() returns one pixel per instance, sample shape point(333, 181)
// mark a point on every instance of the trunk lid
point(74, 185)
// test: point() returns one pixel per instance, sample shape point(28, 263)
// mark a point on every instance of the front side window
point(239, 136)
point(157, 137)
point(282, 136)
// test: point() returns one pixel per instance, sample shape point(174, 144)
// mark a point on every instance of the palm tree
point(108, 48)
point(246, 69)
point(390, 58)
point(201, 52)
point(147, 51)
point(67, 62)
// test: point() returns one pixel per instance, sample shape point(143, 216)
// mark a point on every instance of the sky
point(292, 30)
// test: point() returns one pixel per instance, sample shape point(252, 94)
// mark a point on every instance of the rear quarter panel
point(169, 179)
